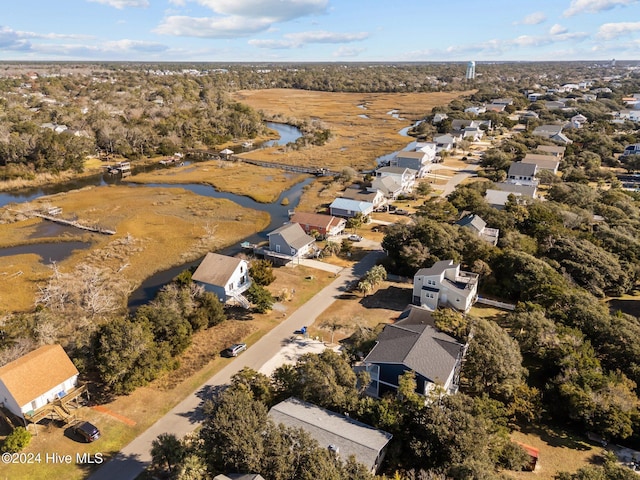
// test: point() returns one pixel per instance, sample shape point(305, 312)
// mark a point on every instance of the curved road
point(187, 415)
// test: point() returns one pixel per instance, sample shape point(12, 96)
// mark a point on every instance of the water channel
point(57, 251)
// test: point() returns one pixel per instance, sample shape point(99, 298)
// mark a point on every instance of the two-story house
point(522, 173)
point(226, 277)
point(444, 284)
point(322, 225)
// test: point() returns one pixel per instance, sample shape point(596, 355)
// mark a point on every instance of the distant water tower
point(613, 62)
point(471, 70)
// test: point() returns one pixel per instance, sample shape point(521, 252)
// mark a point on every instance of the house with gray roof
point(444, 284)
point(555, 150)
point(342, 435)
point(414, 343)
point(498, 196)
point(347, 208)
point(522, 173)
point(374, 196)
point(552, 132)
point(543, 162)
point(226, 277)
point(290, 240)
point(479, 227)
point(419, 160)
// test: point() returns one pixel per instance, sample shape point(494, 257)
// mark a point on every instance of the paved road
point(187, 415)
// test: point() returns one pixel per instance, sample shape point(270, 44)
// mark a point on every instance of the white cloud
point(557, 29)
point(347, 52)
point(594, 6)
point(211, 27)
point(237, 18)
point(532, 19)
point(12, 40)
point(279, 10)
point(609, 31)
point(120, 4)
point(296, 40)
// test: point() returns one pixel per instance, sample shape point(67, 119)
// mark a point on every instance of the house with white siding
point(444, 284)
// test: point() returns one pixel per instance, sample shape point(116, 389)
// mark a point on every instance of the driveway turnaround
point(187, 415)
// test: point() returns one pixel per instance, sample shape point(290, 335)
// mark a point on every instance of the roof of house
point(294, 235)
point(396, 170)
point(37, 372)
point(360, 195)
point(352, 205)
point(313, 219)
point(548, 130)
point(472, 221)
point(329, 428)
point(444, 139)
point(416, 343)
point(216, 269)
point(526, 190)
point(498, 197)
point(548, 162)
point(551, 149)
point(522, 169)
point(415, 154)
point(437, 268)
point(386, 184)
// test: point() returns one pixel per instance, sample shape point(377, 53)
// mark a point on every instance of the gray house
point(341, 435)
point(290, 240)
point(345, 207)
point(226, 277)
point(414, 343)
point(522, 173)
point(479, 227)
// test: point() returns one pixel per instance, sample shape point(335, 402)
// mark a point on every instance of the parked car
point(88, 431)
point(235, 349)
point(355, 238)
point(400, 211)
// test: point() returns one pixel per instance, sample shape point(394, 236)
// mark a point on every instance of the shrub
point(16, 440)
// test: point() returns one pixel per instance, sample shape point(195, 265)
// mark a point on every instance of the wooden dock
point(73, 223)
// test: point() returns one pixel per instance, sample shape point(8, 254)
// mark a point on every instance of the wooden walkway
point(73, 223)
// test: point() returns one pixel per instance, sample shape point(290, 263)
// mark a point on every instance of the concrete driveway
point(187, 415)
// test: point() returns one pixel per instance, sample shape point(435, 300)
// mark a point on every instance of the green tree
point(261, 272)
point(166, 452)
point(260, 297)
point(209, 311)
point(18, 439)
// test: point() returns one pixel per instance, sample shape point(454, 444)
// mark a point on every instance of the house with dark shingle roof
point(414, 343)
point(479, 227)
point(522, 173)
point(342, 435)
point(290, 240)
point(36, 379)
point(226, 277)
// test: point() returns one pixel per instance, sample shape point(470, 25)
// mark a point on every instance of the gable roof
point(526, 190)
point(396, 170)
point(548, 130)
point(472, 221)
point(416, 343)
point(386, 184)
point(522, 169)
point(417, 154)
point(545, 162)
point(216, 269)
point(360, 195)
point(329, 428)
point(352, 205)
point(294, 235)
point(314, 219)
point(553, 149)
point(37, 372)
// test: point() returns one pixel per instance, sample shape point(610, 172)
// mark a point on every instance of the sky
point(320, 30)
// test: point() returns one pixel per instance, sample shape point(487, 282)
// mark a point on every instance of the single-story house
point(446, 142)
point(324, 225)
point(478, 226)
point(290, 240)
point(438, 117)
point(497, 197)
point(345, 207)
point(226, 277)
point(542, 162)
point(522, 173)
point(444, 284)
point(343, 436)
point(374, 196)
point(495, 107)
point(414, 343)
point(555, 150)
point(552, 132)
point(554, 104)
point(36, 379)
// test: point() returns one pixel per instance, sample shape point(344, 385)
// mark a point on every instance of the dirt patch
point(356, 142)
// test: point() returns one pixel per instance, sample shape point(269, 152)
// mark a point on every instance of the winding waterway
point(57, 251)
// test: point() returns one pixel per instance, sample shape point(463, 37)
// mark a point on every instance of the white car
point(355, 238)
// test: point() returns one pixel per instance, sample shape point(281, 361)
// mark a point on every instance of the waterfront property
point(226, 277)
point(323, 225)
point(291, 241)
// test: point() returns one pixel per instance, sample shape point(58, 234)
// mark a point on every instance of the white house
point(444, 284)
point(36, 379)
point(405, 177)
point(226, 277)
